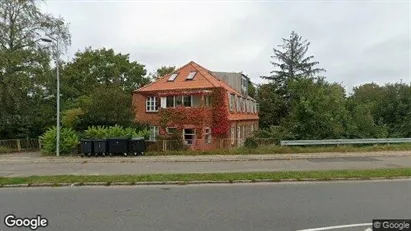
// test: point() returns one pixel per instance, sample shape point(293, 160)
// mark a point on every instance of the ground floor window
point(154, 131)
point(208, 136)
point(189, 136)
point(232, 135)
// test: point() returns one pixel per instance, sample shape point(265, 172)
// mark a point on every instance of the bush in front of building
point(250, 143)
point(68, 141)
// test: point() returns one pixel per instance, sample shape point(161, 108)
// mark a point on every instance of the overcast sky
point(356, 41)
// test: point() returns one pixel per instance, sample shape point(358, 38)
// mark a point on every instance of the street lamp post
point(50, 40)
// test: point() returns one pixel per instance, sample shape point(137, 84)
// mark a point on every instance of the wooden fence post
point(18, 145)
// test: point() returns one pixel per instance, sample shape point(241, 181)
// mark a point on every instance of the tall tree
point(106, 105)
point(95, 67)
point(25, 62)
point(394, 110)
point(162, 71)
point(318, 110)
point(291, 61)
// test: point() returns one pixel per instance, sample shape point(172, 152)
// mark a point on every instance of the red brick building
point(203, 107)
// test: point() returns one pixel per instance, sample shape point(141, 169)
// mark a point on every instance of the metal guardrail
point(345, 141)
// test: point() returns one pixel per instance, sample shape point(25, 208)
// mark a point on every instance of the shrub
point(71, 117)
point(68, 140)
point(101, 132)
point(95, 132)
point(250, 143)
point(6, 150)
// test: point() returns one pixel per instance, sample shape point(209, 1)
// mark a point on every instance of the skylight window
point(172, 77)
point(191, 75)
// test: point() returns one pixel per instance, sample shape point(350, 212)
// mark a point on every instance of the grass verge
point(252, 176)
point(273, 149)
point(4, 150)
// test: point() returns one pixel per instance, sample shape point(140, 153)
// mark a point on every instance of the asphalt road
point(279, 206)
point(22, 168)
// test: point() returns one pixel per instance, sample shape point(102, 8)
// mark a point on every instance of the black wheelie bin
point(118, 146)
point(137, 146)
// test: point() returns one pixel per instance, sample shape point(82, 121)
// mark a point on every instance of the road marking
point(337, 227)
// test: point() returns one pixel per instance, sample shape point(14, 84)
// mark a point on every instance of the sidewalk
point(31, 165)
point(37, 158)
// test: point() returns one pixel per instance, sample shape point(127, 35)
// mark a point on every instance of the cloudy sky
point(356, 41)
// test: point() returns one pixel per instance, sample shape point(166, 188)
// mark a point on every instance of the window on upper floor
point(207, 102)
point(191, 75)
point(172, 77)
point(238, 103)
point(188, 101)
point(178, 101)
point(170, 101)
point(230, 101)
point(152, 104)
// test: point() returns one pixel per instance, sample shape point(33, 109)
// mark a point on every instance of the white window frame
point(252, 127)
point(168, 130)
point(230, 102)
point(207, 99)
point(232, 135)
point(189, 141)
point(207, 135)
point(238, 103)
point(154, 132)
point(244, 103)
point(151, 104)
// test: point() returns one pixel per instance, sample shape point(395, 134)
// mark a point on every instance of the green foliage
point(6, 150)
point(106, 105)
point(72, 117)
point(277, 132)
point(95, 132)
point(251, 89)
point(68, 140)
point(162, 71)
point(96, 67)
point(291, 61)
point(102, 132)
point(318, 110)
point(272, 106)
point(26, 78)
point(250, 143)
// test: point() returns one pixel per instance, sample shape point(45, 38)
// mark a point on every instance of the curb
point(78, 184)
